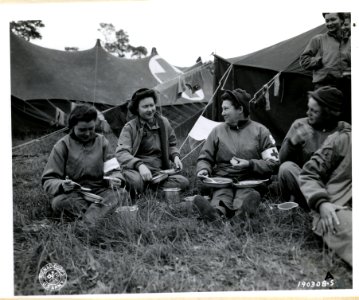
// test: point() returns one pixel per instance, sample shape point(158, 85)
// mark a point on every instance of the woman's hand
point(145, 173)
point(239, 163)
point(178, 163)
point(328, 217)
point(113, 182)
point(300, 134)
point(68, 185)
point(202, 173)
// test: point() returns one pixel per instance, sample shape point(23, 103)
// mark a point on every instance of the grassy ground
point(167, 248)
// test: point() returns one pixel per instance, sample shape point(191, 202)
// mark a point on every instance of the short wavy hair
point(341, 16)
point(238, 98)
point(82, 112)
point(138, 96)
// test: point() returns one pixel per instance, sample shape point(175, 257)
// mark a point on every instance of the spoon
point(207, 178)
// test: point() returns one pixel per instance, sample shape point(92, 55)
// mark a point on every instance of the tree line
point(116, 42)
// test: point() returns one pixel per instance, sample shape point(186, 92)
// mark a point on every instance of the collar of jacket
point(338, 37)
point(148, 125)
point(89, 142)
point(328, 126)
point(241, 124)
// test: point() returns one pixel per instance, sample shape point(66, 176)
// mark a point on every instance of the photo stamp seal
point(52, 277)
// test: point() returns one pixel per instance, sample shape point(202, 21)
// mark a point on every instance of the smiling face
point(147, 109)
point(230, 114)
point(314, 112)
point(333, 22)
point(85, 131)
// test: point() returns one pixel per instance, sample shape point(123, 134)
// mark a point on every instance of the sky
point(181, 30)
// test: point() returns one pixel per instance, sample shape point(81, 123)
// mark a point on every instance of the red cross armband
point(270, 154)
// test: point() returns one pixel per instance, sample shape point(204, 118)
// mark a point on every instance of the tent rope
point(220, 84)
point(266, 86)
point(194, 149)
point(39, 139)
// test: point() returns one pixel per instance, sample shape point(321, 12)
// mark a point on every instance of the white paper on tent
point(110, 165)
point(202, 128)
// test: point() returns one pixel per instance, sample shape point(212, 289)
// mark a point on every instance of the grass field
point(167, 248)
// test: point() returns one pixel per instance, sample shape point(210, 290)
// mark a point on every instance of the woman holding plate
point(239, 149)
point(147, 147)
point(74, 173)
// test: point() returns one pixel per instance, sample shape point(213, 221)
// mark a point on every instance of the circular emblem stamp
point(52, 277)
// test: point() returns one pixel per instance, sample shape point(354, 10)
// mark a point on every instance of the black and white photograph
point(181, 148)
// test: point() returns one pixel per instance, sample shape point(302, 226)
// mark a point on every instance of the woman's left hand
point(114, 182)
point(239, 163)
point(178, 163)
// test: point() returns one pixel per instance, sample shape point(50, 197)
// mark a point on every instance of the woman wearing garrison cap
point(239, 148)
point(147, 145)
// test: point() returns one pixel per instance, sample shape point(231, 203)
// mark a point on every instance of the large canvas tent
point(280, 63)
point(45, 83)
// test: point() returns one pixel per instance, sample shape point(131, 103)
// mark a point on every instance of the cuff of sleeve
point(319, 199)
point(317, 205)
point(138, 164)
point(251, 164)
point(173, 155)
point(208, 170)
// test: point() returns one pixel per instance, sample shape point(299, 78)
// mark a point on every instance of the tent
point(45, 84)
point(277, 67)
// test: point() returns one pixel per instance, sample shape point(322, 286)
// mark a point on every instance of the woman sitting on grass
point(74, 173)
point(146, 145)
point(240, 149)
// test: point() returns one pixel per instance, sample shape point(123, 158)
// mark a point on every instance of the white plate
point(287, 205)
point(219, 182)
point(249, 183)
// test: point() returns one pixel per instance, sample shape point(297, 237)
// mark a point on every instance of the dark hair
point(347, 15)
point(138, 96)
point(332, 114)
point(238, 98)
point(82, 112)
point(340, 15)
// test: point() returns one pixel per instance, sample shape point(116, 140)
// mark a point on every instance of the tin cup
point(172, 195)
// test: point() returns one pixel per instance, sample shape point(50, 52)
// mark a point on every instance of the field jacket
point(250, 140)
point(130, 140)
point(327, 176)
point(328, 57)
point(302, 152)
point(81, 162)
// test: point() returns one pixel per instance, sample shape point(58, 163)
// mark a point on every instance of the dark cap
point(240, 96)
point(328, 96)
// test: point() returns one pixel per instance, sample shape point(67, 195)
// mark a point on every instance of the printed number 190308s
point(313, 284)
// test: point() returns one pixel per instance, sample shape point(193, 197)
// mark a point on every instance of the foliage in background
point(117, 42)
point(71, 49)
point(27, 29)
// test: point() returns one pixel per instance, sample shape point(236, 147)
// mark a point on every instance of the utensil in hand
point(78, 186)
point(159, 178)
point(203, 177)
